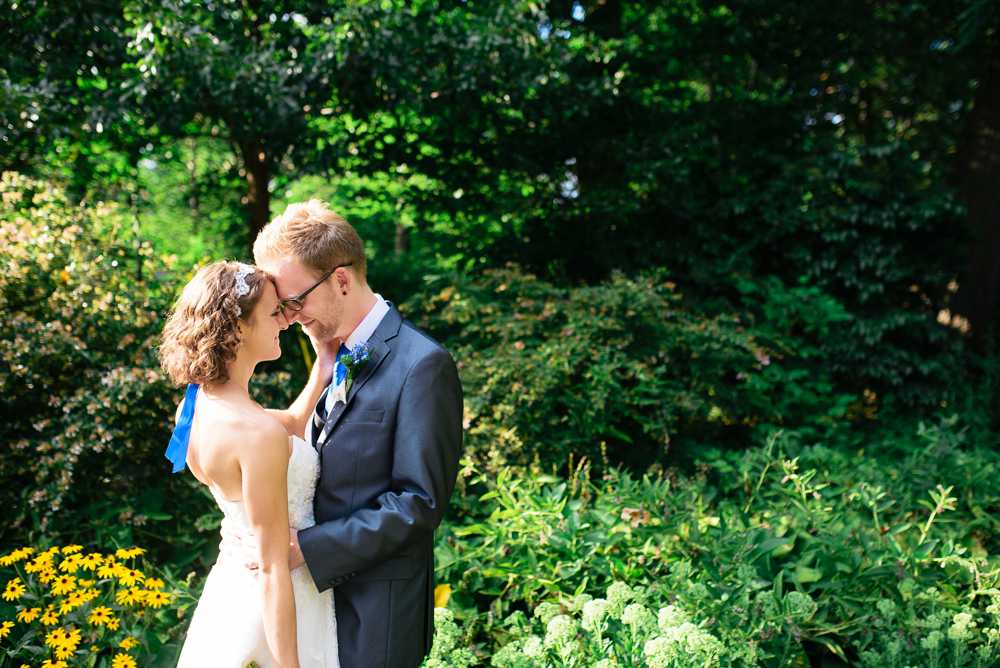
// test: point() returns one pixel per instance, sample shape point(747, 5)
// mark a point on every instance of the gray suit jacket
point(389, 460)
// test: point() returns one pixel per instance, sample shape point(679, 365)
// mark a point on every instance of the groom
point(389, 454)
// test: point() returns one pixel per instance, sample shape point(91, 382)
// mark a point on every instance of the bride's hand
point(326, 354)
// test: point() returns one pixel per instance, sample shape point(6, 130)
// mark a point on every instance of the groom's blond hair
point(315, 235)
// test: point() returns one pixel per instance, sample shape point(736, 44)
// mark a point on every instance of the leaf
point(771, 543)
point(833, 647)
point(804, 574)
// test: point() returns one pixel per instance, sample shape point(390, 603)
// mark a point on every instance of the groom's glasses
point(295, 304)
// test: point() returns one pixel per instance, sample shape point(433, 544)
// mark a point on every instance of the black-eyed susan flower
point(14, 590)
point(122, 661)
point(91, 561)
point(49, 663)
point(128, 643)
point(113, 623)
point(5, 628)
point(72, 639)
point(155, 599)
point(47, 575)
point(63, 585)
point(71, 564)
point(74, 600)
point(107, 569)
point(16, 556)
point(72, 549)
point(29, 615)
point(89, 594)
point(130, 577)
point(49, 617)
point(100, 615)
point(55, 638)
point(62, 652)
point(87, 583)
point(129, 553)
point(154, 583)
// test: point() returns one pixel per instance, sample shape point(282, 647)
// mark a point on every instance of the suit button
point(333, 581)
point(354, 575)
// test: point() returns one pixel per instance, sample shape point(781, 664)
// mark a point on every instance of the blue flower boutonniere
point(354, 360)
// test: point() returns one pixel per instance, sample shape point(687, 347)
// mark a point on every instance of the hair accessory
point(241, 283)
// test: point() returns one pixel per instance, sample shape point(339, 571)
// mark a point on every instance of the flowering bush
point(77, 608)
point(85, 410)
point(619, 630)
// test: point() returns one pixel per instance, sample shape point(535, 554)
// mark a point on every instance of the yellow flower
point(130, 553)
point(72, 640)
point(130, 577)
point(87, 583)
point(113, 623)
point(95, 648)
point(28, 615)
point(128, 643)
point(100, 615)
point(55, 638)
point(74, 600)
point(107, 570)
point(49, 618)
point(48, 663)
point(154, 583)
point(89, 594)
point(63, 585)
point(122, 661)
point(14, 590)
point(47, 574)
point(71, 564)
point(15, 556)
point(157, 598)
point(71, 549)
point(5, 629)
point(125, 596)
point(91, 561)
point(63, 652)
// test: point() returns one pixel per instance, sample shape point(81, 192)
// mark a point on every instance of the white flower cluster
point(639, 618)
point(595, 614)
point(961, 628)
point(561, 633)
point(513, 655)
point(681, 644)
point(444, 653)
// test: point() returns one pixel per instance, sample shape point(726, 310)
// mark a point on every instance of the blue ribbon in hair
point(178, 447)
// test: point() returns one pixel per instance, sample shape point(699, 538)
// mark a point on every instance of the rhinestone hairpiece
point(241, 283)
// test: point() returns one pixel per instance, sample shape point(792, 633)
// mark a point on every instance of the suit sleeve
point(427, 447)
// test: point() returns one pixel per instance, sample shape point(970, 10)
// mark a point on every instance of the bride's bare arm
point(264, 468)
point(295, 418)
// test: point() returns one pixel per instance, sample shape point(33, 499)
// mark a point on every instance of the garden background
point(721, 281)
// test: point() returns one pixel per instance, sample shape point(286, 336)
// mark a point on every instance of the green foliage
point(550, 372)
point(779, 552)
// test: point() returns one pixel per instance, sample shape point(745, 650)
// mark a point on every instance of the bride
point(226, 321)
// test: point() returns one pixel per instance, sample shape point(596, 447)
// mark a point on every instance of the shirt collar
point(364, 331)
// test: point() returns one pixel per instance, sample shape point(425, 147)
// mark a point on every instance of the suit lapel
point(386, 330)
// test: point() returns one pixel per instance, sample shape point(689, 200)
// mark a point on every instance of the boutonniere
point(354, 360)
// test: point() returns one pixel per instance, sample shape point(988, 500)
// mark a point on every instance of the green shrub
point(790, 550)
point(85, 411)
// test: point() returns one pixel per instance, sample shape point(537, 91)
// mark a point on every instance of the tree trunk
point(254, 161)
point(977, 175)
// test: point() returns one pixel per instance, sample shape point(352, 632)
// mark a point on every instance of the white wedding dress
point(227, 630)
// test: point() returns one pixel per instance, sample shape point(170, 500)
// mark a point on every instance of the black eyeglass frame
point(297, 301)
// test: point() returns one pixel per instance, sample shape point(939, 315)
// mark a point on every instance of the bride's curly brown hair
point(202, 332)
